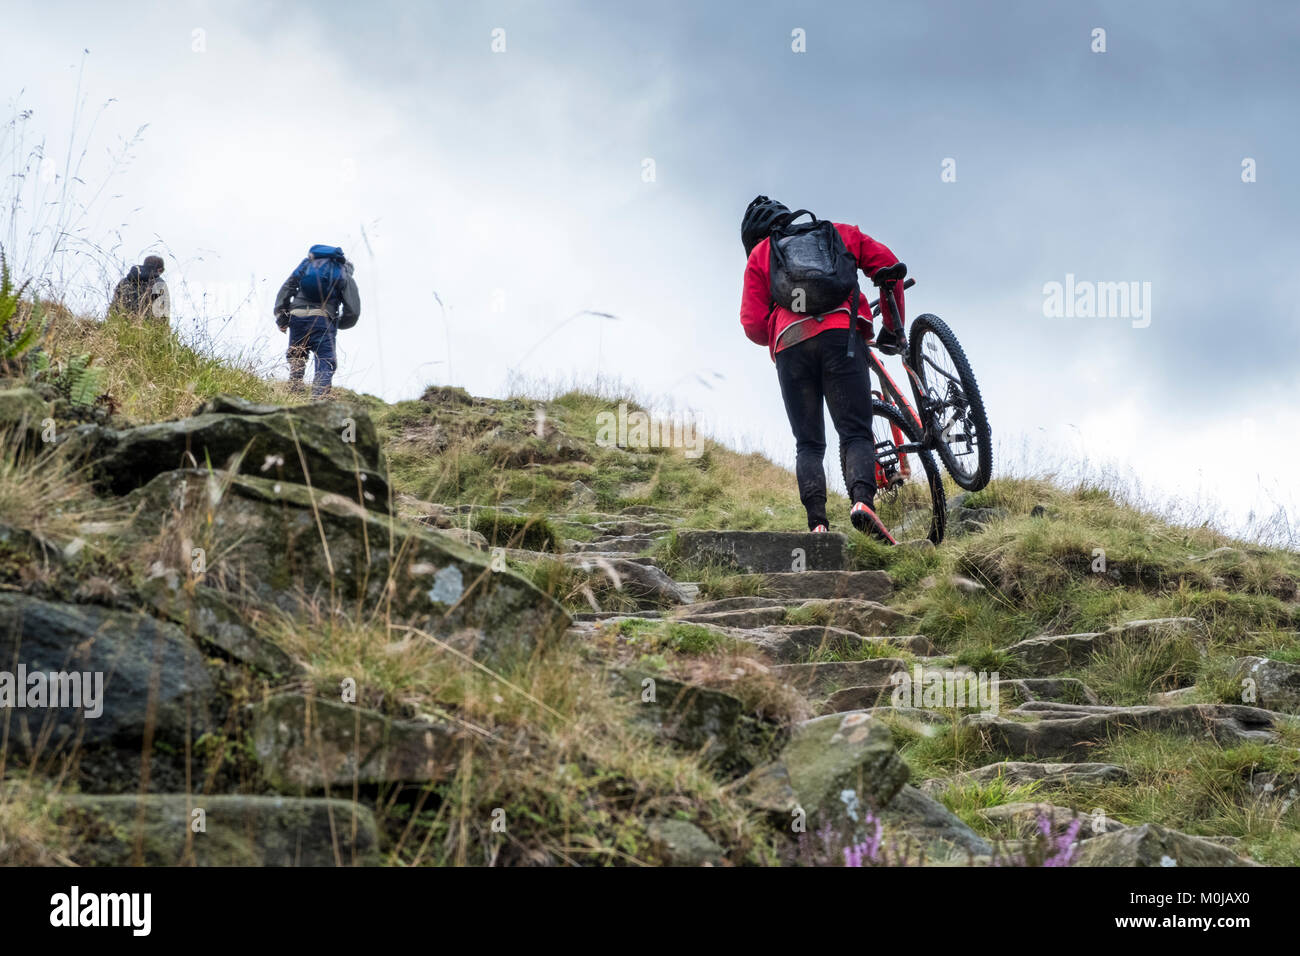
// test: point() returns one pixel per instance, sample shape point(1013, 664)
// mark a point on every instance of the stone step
point(805, 585)
point(1070, 732)
point(868, 618)
point(1021, 773)
point(880, 690)
point(792, 643)
point(638, 577)
point(1044, 656)
point(1060, 689)
point(742, 603)
point(831, 675)
point(1169, 698)
point(752, 552)
point(628, 544)
point(741, 617)
point(646, 615)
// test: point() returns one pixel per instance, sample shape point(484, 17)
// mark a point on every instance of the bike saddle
point(889, 274)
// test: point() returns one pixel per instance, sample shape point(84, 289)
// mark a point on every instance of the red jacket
point(756, 300)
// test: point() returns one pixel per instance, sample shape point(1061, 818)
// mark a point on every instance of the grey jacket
point(341, 310)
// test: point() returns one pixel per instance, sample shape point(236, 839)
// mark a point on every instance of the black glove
point(891, 342)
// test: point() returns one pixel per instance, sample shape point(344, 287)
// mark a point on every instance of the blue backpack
point(322, 275)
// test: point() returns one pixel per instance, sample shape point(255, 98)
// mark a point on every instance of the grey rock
point(912, 813)
point(727, 604)
point(763, 551)
point(832, 675)
point(683, 843)
point(140, 673)
point(214, 618)
point(703, 720)
point(308, 745)
point(826, 758)
point(333, 445)
point(1152, 845)
point(741, 618)
point(1049, 654)
point(266, 537)
point(238, 830)
point(869, 618)
point(1070, 732)
point(1276, 684)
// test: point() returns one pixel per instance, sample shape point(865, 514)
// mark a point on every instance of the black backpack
point(812, 270)
point(129, 296)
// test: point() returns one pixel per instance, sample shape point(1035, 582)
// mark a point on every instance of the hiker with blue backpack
point(801, 300)
point(319, 298)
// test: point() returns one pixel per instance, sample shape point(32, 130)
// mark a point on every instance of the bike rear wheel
point(963, 438)
point(911, 504)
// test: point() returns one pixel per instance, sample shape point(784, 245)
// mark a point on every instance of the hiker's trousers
point(816, 370)
point(312, 334)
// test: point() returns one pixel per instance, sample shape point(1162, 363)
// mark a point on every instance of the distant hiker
point(143, 293)
point(317, 300)
point(801, 286)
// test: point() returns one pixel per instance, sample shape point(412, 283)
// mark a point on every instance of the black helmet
point(760, 217)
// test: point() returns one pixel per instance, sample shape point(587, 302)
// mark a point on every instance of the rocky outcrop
point(827, 758)
point(90, 685)
point(702, 720)
point(217, 620)
point(331, 446)
point(284, 544)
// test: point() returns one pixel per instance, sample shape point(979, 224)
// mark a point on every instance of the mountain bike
point(948, 419)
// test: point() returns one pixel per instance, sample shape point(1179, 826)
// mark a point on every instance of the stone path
point(1046, 725)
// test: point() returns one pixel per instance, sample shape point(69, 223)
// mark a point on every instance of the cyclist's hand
point(891, 342)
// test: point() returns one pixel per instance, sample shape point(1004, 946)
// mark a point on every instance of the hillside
point(461, 630)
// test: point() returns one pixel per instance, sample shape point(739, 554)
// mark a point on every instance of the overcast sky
point(603, 158)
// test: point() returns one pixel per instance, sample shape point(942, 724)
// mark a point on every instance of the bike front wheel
point(947, 386)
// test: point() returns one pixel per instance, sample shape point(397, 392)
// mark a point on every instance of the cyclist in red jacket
point(814, 364)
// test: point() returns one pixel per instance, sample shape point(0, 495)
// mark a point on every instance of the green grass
point(152, 375)
point(968, 799)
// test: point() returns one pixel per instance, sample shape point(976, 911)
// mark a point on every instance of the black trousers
point(816, 370)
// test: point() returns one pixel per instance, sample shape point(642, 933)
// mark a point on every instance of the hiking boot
point(868, 522)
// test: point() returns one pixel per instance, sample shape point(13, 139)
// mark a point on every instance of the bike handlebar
point(875, 306)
